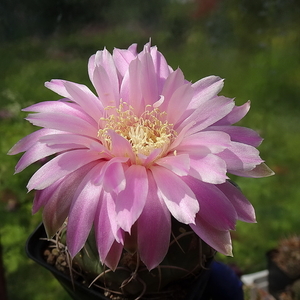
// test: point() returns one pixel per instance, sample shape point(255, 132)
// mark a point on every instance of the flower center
point(146, 133)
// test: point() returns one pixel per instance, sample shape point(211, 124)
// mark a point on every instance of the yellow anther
point(145, 133)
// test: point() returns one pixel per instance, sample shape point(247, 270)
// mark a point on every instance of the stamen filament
point(146, 133)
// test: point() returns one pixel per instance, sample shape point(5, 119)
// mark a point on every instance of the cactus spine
point(186, 259)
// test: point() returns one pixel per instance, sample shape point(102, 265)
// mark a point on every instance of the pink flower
point(150, 146)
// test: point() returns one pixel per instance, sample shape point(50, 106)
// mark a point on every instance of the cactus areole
point(148, 148)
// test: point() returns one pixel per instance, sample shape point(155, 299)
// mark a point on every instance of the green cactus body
point(186, 258)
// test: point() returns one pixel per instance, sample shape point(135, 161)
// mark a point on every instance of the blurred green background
point(253, 44)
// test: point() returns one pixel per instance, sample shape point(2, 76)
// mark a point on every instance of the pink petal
point(148, 160)
point(202, 141)
point(179, 164)
point(172, 83)
point(75, 141)
point(146, 48)
point(58, 86)
point(62, 107)
point(110, 204)
point(215, 208)
point(61, 121)
point(120, 147)
point(113, 257)
point(78, 141)
point(235, 115)
point(40, 151)
point(205, 89)
point(157, 214)
point(105, 230)
point(78, 93)
point(82, 211)
point(219, 240)
point(240, 134)
point(261, 170)
point(160, 64)
point(176, 194)
point(112, 175)
point(130, 201)
point(123, 58)
point(106, 91)
point(105, 60)
point(28, 141)
point(41, 196)
point(57, 199)
point(65, 138)
point(148, 80)
point(81, 95)
point(91, 66)
point(210, 169)
point(180, 136)
point(133, 49)
point(131, 89)
point(56, 210)
point(244, 209)
point(178, 103)
point(59, 167)
point(240, 157)
point(208, 113)
point(162, 69)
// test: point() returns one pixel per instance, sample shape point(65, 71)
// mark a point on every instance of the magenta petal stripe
point(157, 214)
point(82, 211)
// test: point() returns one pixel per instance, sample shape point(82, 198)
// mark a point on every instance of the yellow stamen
point(145, 133)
